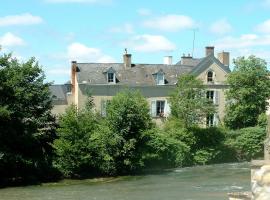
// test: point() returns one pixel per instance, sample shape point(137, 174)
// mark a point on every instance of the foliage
point(247, 142)
point(189, 102)
point(128, 117)
point(161, 150)
point(248, 93)
point(26, 124)
point(72, 146)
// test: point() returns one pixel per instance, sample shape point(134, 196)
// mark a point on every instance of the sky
point(56, 32)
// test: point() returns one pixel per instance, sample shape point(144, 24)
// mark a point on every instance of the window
point(160, 79)
point(160, 108)
point(111, 77)
point(160, 105)
point(103, 107)
point(210, 120)
point(210, 95)
point(210, 76)
point(213, 95)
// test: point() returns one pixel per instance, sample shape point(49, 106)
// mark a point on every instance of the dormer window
point(111, 77)
point(159, 78)
point(210, 75)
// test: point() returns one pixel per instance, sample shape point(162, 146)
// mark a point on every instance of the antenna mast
point(193, 43)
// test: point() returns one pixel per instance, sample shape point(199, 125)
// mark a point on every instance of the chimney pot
point(127, 59)
point(167, 60)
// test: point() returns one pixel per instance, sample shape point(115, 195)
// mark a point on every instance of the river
point(211, 182)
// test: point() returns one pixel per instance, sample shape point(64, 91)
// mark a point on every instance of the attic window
point(159, 78)
point(111, 77)
point(210, 75)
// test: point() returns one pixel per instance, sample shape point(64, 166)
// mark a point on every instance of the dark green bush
point(161, 150)
point(247, 142)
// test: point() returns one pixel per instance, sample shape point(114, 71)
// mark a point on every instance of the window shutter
point(167, 109)
point(216, 119)
point(103, 108)
point(153, 108)
point(216, 100)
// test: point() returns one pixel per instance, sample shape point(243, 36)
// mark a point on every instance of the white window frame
point(215, 96)
point(213, 121)
point(166, 108)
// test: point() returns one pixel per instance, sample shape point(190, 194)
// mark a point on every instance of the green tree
point(248, 93)
point(74, 155)
point(189, 103)
point(128, 116)
point(27, 127)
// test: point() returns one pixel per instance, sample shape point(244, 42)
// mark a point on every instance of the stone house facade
point(154, 81)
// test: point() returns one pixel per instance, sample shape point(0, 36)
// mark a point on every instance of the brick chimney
point(127, 59)
point(185, 60)
point(73, 76)
point(224, 58)
point(209, 50)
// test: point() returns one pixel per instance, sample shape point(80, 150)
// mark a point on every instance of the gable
point(210, 63)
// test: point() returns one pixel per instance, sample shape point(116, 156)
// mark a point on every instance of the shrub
point(162, 150)
point(247, 142)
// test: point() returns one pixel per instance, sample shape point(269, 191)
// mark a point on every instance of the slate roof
point(138, 74)
point(191, 61)
point(58, 92)
point(142, 74)
point(206, 62)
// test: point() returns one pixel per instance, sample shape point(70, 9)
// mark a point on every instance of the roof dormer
point(110, 75)
point(159, 77)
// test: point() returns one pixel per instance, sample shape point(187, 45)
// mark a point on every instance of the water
point(194, 183)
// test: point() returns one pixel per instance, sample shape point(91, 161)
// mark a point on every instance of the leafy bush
point(73, 150)
point(247, 142)
point(162, 150)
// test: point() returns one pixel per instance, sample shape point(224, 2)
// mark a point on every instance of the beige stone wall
point(220, 77)
point(60, 109)
point(260, 180)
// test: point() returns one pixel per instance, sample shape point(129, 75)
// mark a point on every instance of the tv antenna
point(194, 37)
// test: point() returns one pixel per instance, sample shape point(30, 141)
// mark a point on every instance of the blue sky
point(58, 31)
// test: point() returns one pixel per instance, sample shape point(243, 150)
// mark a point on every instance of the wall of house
point(61, 106)
point(220, 77)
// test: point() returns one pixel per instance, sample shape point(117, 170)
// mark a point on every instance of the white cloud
point(11, 40)
point(83, 53)
point(266, 3)
point(170, 23)
point(264, 27)
point(244, 41)
point(144, 12)
point(221, 27)
point(23, 19)
point(126, 28)
point(150, 43)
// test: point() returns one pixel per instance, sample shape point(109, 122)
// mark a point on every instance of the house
point(154, 81)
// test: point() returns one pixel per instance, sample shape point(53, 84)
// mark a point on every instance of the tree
point(189, 102)
point(26, 124)
point(74, 157)
point(128, 116)
point(248, 93)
